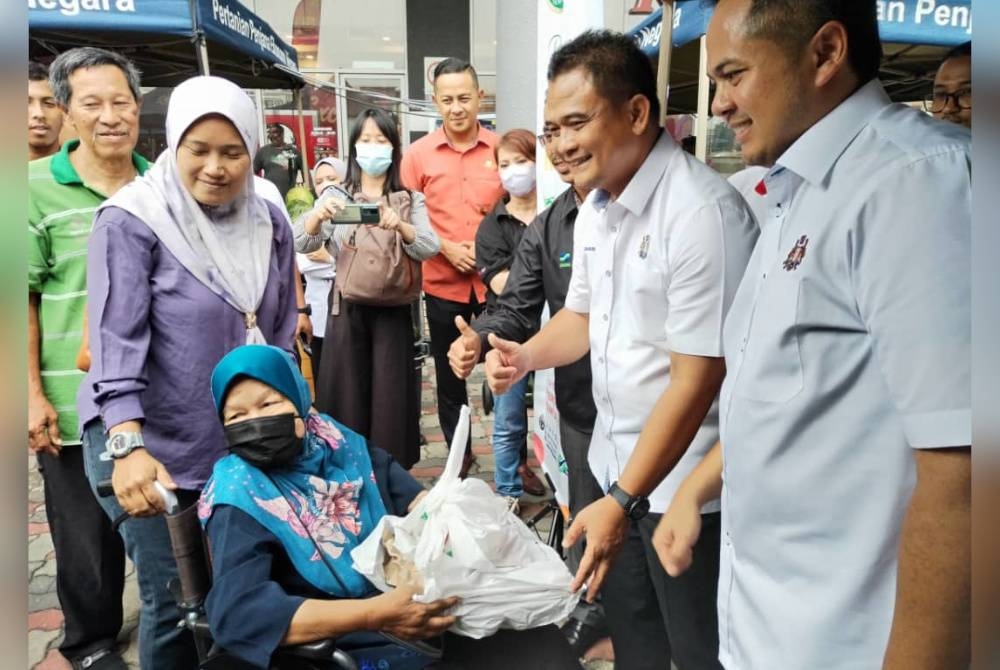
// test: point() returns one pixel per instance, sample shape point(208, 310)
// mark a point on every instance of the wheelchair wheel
point(487, 399)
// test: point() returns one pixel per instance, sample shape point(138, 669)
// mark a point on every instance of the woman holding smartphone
point(367, 371)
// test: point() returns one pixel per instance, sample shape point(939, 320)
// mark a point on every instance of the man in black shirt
point(280, 163)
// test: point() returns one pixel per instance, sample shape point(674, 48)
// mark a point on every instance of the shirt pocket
point(645, 293)
point(772, 360)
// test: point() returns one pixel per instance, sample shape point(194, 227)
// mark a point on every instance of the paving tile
point(53, 661)
point(45, 568)
point(42, 601)
point(50, 619)
point(39, 547)
point(35, 528)
point(42, 584)
point(39, 642)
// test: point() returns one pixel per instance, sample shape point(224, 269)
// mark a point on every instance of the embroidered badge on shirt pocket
point(796, 255)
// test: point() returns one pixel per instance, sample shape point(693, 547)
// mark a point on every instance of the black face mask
point(265, 442)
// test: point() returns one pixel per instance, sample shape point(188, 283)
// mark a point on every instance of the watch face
point(639, 509)
point(117, 444)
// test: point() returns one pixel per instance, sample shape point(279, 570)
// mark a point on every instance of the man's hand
point(676, 534)
point(304, 325)
point(605, 525)
point(506, 364)
point(43, 426)
point(461, 255)
point(133, 479)
point(398, 614)
point(465, 350)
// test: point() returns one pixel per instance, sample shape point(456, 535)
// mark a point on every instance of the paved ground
point(45, 618)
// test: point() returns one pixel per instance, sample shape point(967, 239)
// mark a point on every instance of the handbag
point(372, 266)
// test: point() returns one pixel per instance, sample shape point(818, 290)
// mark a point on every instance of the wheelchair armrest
point(318, 650)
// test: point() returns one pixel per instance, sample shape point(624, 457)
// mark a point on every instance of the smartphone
point(359, 213)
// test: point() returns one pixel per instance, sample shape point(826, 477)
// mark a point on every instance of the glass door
point(359, 90)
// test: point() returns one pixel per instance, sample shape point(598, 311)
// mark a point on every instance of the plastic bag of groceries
point(462, 541)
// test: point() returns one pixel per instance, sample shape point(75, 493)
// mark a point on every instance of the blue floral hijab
point(322, 504)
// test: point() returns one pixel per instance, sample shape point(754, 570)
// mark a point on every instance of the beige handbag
point(373, 268)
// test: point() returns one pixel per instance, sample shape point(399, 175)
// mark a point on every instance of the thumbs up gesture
point(506, 364)
point(465, 350)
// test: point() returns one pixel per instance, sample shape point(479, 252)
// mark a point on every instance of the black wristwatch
point(636, 507)
point(307, 310)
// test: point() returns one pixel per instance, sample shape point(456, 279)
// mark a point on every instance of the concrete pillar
point(517, 71)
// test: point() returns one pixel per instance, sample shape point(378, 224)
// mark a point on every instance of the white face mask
point(374, 157)
point(518, 179)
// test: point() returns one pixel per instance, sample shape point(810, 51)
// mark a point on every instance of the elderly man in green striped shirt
point(99, 92)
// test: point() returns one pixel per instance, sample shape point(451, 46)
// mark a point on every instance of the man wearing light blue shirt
point(845, 414)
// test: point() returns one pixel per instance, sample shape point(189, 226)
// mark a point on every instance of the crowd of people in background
point(762, 383)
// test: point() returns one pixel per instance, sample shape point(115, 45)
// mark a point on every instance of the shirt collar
point(64, 172)
point(814, 154)
point(643, 183)
point(441, 138)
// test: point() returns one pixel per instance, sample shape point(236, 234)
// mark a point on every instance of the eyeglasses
point(936, 102)
point(555, 132)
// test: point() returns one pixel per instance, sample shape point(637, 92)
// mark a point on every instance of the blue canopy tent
point(915, 35)
point(170, 40)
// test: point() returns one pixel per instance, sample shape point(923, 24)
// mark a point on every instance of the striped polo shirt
point(60, 214)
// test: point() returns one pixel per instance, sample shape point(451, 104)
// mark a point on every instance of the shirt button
point(605, 317)
point(600, 359)
point(607, 273)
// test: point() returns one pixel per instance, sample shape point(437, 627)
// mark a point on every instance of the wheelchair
point(190, 588)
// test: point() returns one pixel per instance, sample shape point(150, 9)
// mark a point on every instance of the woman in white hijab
point(184, 265)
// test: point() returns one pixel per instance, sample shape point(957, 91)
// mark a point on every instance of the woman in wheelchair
point(282, 512)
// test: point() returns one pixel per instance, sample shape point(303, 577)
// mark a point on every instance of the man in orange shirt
point(453, 167)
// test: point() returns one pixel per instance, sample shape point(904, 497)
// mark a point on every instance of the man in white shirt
point(659, 248)
point(845, 413)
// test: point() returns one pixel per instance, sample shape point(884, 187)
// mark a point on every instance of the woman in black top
point(498, 236)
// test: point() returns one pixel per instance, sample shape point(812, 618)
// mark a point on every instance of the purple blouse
point(156, 333)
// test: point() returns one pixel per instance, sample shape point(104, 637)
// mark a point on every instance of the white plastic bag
point(464, 542)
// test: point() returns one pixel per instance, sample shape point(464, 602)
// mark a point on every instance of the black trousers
point(536, 648)
point(683, 608)
point(366, 381)
point(90, 556)
point(317, 357)
point(451, 391)
point(583, 490)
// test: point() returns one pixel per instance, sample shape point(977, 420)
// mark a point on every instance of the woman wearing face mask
point(184, 265)
point(283, 511)
point(367, 372)
point(496, 240)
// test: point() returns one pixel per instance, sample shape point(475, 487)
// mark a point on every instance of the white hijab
point(228, 247)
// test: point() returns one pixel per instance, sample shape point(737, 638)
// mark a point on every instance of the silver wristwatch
point(121, 445)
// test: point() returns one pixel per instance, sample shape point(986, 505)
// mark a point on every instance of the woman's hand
point(389, 219)
point(416, 500)
point(133, 479)
point(398, 614)
point(326, 209)
point(321, 255)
